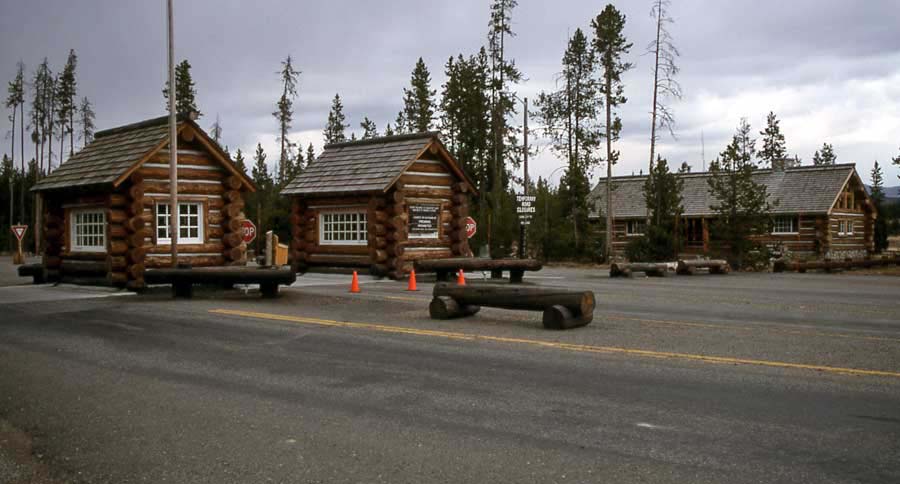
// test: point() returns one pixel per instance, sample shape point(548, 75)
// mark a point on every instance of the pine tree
point(16, 101)
point(369, 128)
point(663, 197)
point(185, 92)
point(825, 156)
point(400, 123)
point(260, 172)
point(774, 152)
point(503, 140)
point(664, 71)
point(465, 117)
point(877, 193)
point(388, 130)
point(310, 154)
point(570, 119)
point(239, 162)
point(284, 112)
point(67, 90)
point(86, 121)
point(418, 100)
point(42, 95)
point(215, 130)
point(334, 129)
point(896, 162)
point(299, 164)
point(610, 46)
point(741, 205)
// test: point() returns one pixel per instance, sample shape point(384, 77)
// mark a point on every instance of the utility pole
point(173, 143)
point(525, 191)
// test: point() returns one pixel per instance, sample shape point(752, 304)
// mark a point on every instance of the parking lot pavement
point(741, 378)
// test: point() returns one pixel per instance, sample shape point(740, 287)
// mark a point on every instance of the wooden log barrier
point(651, 269)
point(562, 309)
point(688, 267)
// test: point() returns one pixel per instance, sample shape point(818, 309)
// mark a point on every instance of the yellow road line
point(694, 324)
point(762, 327)
point(551, 344)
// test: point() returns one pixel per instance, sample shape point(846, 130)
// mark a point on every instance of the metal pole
point(521, 225)
point(173, 143)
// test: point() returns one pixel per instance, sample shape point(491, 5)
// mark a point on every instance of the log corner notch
point(129, 226)
point(396, 232)
point(53, 239)
point(562, 309)
point(459, 211)
point(234, 250)
point(300, 221)
point(377, 231)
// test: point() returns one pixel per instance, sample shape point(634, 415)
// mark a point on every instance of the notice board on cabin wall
point(424, 220)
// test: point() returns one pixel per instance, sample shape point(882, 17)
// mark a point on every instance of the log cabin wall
point(219, 197)
point(307, 248)
point(60, 258)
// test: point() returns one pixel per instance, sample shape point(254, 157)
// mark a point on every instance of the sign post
point(525, 209)
point(19, 232)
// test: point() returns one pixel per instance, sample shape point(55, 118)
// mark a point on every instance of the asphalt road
point(740, 378)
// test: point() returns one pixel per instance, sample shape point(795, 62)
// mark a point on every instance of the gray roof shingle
point(808, 189)
point(106, 158)
point(359, 166)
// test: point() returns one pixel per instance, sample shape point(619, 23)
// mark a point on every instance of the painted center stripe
point(551, 344)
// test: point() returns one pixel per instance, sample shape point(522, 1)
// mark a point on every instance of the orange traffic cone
point(460, 278)
point(354, 285)
point(412, 281)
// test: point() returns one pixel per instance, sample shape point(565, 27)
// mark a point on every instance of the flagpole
point(173, 142)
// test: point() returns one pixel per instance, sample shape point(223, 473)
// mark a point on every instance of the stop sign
point(249, 230)
point(471, 227)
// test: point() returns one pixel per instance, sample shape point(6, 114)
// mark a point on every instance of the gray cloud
point(829, 69)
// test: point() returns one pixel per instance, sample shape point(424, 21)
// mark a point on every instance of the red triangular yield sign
point(19, 231)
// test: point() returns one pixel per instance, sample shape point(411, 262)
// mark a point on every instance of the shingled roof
point(807, 189)
point(114, 152)
point(365, 166)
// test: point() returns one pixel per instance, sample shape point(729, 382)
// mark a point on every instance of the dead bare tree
point(665, 87)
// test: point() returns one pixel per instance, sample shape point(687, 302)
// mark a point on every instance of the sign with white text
point(525, 208)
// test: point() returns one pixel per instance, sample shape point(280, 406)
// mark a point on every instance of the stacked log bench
point(563, 309)
point(829, 265)
point(34, 271)
point(626, 269)
point(444, 268)
point(183, 279)
point(688, 267)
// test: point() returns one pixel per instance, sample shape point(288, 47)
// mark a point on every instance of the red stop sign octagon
point(471, 227)
point(249, 231)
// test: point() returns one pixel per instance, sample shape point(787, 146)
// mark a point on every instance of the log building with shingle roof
point(817, 211)
point(380, 203)
point(105, 210)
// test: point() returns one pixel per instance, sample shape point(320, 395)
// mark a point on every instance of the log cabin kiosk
point(106, 212)
point(381, 204)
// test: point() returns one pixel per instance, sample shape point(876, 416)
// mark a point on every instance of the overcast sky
point(829, 69)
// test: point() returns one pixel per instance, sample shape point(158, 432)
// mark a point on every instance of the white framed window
point(785, 225)
point(342, 227)
point(88, 230)
point(845, 227)
point(190, 223)
point(635, 227)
